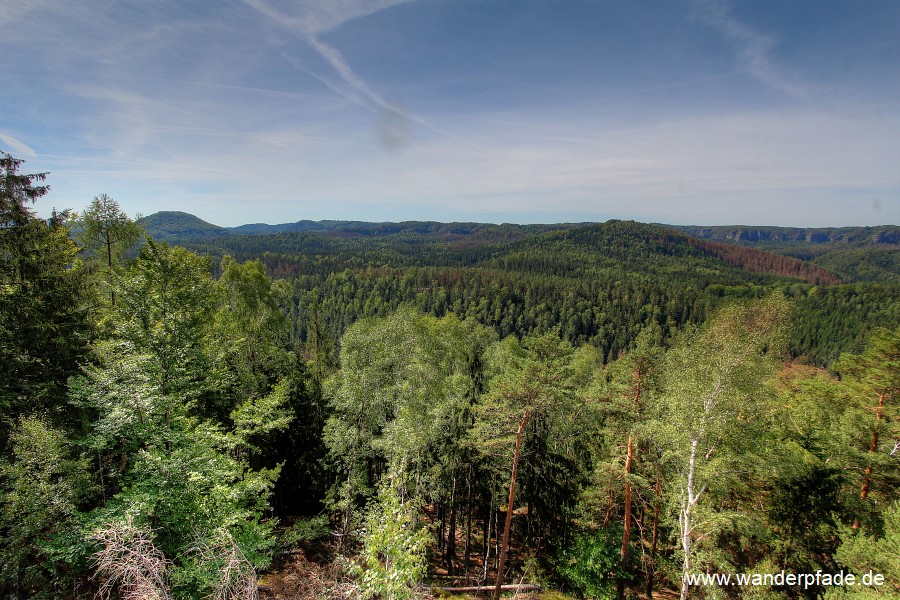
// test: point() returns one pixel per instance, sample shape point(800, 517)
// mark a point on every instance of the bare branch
point(131, 562)
point(237, 577)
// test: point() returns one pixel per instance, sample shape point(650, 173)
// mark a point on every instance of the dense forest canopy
point(597, 283)
point(348, 409)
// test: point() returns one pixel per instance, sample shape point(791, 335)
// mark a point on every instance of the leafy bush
point(393, 558)
point(590, 565)
point(305, 530)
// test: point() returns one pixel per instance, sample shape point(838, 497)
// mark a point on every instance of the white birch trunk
point(686, 511)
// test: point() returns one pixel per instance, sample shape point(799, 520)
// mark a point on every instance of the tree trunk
point(514, 587)
point(450, 553)
point(652, 570)
point(873, 445)
point(686, 513)
point(873, 448)
point(626, 535)
point(487, 540)
point(629, 456)
point(609, 506)
point(504, 548)
point(440, 516)
point(112, 291)
point(468, 551)
point(626, 532)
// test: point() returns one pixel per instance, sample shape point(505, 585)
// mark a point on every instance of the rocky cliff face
point(852, 236)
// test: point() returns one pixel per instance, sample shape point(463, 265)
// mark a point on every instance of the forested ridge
point(853, 253)
point(597, 283)
point(379, 410)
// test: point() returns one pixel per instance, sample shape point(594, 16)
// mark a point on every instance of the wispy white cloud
point(313, 17)
point(187, 106)
point(308, 19)
point(690, 169)
point(753, 47)
point(14, 11)
point(752, 168)
point(17, 146)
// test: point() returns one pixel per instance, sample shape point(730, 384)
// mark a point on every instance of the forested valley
point(351, 410)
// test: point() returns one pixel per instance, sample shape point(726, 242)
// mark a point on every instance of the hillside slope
point(855, 254)
point(597, 282)
point(180, 227)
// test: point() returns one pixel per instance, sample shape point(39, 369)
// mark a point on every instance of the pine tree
point(44, 324)
point(106, 233)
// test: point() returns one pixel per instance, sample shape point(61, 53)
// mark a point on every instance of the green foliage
point(259, 417)
point(881, 554)
point(105, 234)
point(805, 508)
point(251, 324)
point(203, 404)
point(44, 325)
point(597, 283)
point(711, 422)
point(869, 264)
point(535, 378)
point(305, 530)
point(827, 321)
point(394, 545)
point(403, 382)
point(174, 465)
point(42, 488)
point(870, 424)
point(590, 565)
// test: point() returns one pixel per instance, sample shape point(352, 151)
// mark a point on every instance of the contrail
point(323, 17)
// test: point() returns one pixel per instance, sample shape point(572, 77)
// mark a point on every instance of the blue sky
point(695, 112)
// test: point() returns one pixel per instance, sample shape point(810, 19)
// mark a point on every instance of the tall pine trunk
point(873, 448)
point(468, 550)
point(652, 570)
point(504, 548)
point(450, 548)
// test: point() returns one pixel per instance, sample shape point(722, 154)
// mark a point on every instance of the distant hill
point(855, 254)
point(849, 237)
point(181, 227)
point(596, 282)
point(304, 225)
point(431, 229)
point(816, 255)
point(559, 249)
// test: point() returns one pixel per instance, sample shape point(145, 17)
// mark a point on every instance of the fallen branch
point(515, 587)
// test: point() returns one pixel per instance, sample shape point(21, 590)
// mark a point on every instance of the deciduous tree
point(106, 233)
point(711, 415)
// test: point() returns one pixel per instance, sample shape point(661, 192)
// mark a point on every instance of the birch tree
point(403, 384)
point(710, 416)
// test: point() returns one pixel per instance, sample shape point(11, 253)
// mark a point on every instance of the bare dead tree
point(130, 562)
point(236, 575)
